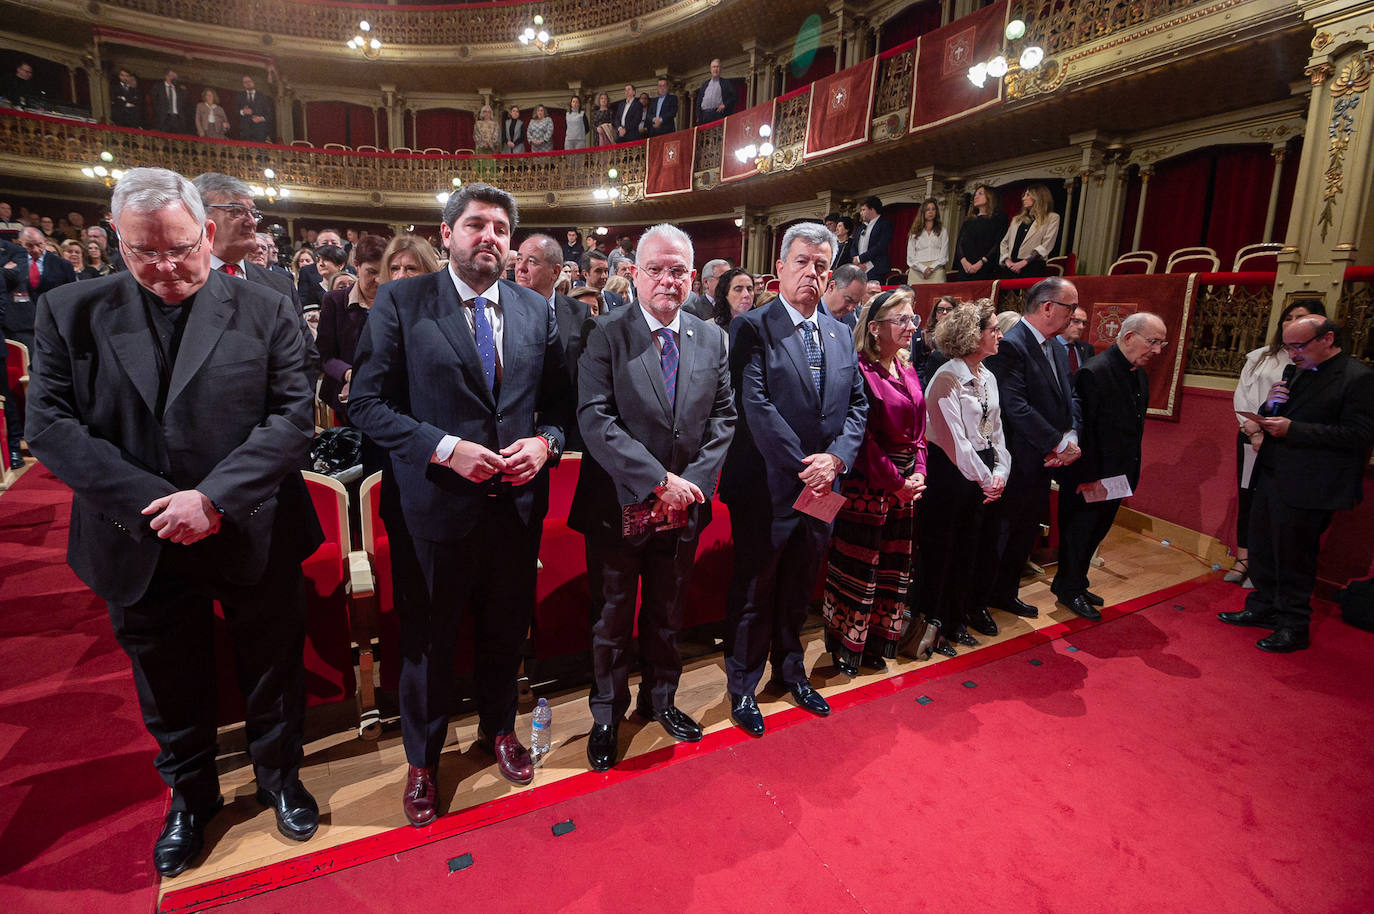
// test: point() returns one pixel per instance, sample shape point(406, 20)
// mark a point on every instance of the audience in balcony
point(211, 120)
point(602, 117)
point(577, 126)
point(1031, 236)
point(976, 254)
point(875, 237)
point(646, 121)
point(629, 114)
point(171, 105)
point(716, 97)
point(844, 235)
point(513, 132)
point(541, 130)
point(486, 132)
point(126, 101)
point(734, 295)
point(927, 246)
point(1264, 368)
point(19, 88)
point(256, 116)
point(663, 110)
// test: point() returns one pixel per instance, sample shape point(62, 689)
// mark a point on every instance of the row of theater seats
point(1262, 257)
point(351, 605)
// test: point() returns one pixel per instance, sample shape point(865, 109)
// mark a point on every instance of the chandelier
point(761, 153)
point(1015, 63)
point(364, 42)
point(103, 171)
point(537, 34)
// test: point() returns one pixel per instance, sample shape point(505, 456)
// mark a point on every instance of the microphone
point(1271, 407)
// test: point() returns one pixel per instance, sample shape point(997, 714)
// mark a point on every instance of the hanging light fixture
point(364, 42)
point(537, 35)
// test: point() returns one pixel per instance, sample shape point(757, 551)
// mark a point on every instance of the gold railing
point(1228, 322)
point(60, 141)
point(1060, 25)
point(398, 25)
point(894, 84)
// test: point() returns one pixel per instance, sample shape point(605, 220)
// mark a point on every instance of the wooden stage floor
point(358, 784)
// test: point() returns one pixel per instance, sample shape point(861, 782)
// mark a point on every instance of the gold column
point(1146, 171)
point(1279, 152)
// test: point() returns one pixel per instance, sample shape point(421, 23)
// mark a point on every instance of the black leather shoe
point(1080, 606)
point(1285, 641)
point(964, 638)
point(944, 648)
point(1250, 618)
point(807, 697)
point(182, 839)
point(1019, 607)
point(16, 459)
point(1094, 599)
point(298, 815)
point(844, 666)
point(679, 725)
point(601, 747)
point(874, 662)
point(745, 711)
point(980, 620)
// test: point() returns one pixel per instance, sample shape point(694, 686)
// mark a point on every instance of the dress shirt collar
point(216, 263)
point(467, 294)
point(962, 373)
point(355, 298)
point(1039, 337)
point(656, 325)
point(796, 316)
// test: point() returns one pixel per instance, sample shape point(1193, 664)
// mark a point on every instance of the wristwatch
point(555, 452)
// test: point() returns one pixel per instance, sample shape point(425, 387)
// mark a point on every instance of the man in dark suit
point(1113, 394)
point(513, 132)
point(255, 113)
point(629, 114)
point(1078, 350)
point(844, 294)
point(29, 276)
point(663, 110)
point(126, 101)
point(597, 269)
point(716, 97)
point(875, 237)
point(657, 414)
point(171, 400)
point(537, 267)
point(229, 205)
point(171, 105)
point(1041, 421)
point(460, 376)
point(802, 409)
point(1310, 465)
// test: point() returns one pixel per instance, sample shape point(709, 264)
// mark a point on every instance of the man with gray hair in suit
point(657, 414)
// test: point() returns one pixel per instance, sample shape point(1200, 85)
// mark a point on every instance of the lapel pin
point(832, 334)
point(689, 332)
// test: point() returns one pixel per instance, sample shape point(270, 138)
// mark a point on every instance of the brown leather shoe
point(512, 759)
point(421, 801)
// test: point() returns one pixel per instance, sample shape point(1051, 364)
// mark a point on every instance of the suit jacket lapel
point(836, 351)
point(453, 323)
point(130, 338)
point(686, 358)
point(204, 325)
point(781, 327)
point(649, 361)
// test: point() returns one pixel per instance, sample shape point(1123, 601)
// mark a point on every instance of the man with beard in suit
point(460, 377)
point(229, 205)
point(537, 267)
point(657, 413)
point(255, 113)
point(170, 398)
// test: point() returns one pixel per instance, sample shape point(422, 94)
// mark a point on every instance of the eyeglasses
point(912, 320)
point(237, 211)
point(175, 255)
point(1299, 347)
point(656, 272)
point(1162, 344)
point(1059, 303)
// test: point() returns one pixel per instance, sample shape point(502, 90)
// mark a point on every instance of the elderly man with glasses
point(170, 398)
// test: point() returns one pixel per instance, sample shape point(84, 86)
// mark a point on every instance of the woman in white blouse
point(1031, 236)
point(967, 465)
point(1263, 368)
point(575, 136)
point(927, 246)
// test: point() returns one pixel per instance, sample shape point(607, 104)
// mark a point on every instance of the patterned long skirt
point(869, 573)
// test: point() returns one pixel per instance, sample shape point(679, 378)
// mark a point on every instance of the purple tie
point(668, 359)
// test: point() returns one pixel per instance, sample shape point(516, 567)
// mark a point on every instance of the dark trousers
point(957, 545)
point(169, 637)
point(657, 571)
point(1082, 527)
point(778, 561)
point(1018, 514)
point(490, 574)
point(1284, 544)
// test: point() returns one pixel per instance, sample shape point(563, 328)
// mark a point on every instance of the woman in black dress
point(975, 253)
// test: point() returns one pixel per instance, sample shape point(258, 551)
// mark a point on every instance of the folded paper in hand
point(822, 507)
point(1112, 487)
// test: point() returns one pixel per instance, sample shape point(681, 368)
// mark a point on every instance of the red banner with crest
point(841, 110)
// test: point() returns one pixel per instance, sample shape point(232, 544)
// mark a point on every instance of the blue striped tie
point(668, 359)
point(813, 354)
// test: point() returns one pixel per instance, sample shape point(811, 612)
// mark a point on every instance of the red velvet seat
point(17, 370)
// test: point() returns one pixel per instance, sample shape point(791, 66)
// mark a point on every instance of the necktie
point(34, 276)
point(813, 354)
point(1073, 360)
point(486, 340)
point(172, 97)
point(1054, 369)
point(229, 268)
point(668, 359)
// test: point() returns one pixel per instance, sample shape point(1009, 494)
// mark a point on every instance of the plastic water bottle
point(541, 731)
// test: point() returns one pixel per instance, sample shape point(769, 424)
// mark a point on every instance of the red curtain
point(915, 20)
point(362, 130)
point(1174, 216)
point(437, 128)
point(823, 64)
point(712, 239)
point(383, 129)
point(1240, 199)
point(326, 122)
point(901, 215)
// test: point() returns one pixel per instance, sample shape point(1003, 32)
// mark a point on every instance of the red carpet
point(79, 799)
point(1155, 762)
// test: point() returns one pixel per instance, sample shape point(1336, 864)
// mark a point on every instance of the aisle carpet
point(1155, 762)
point(80, 802)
